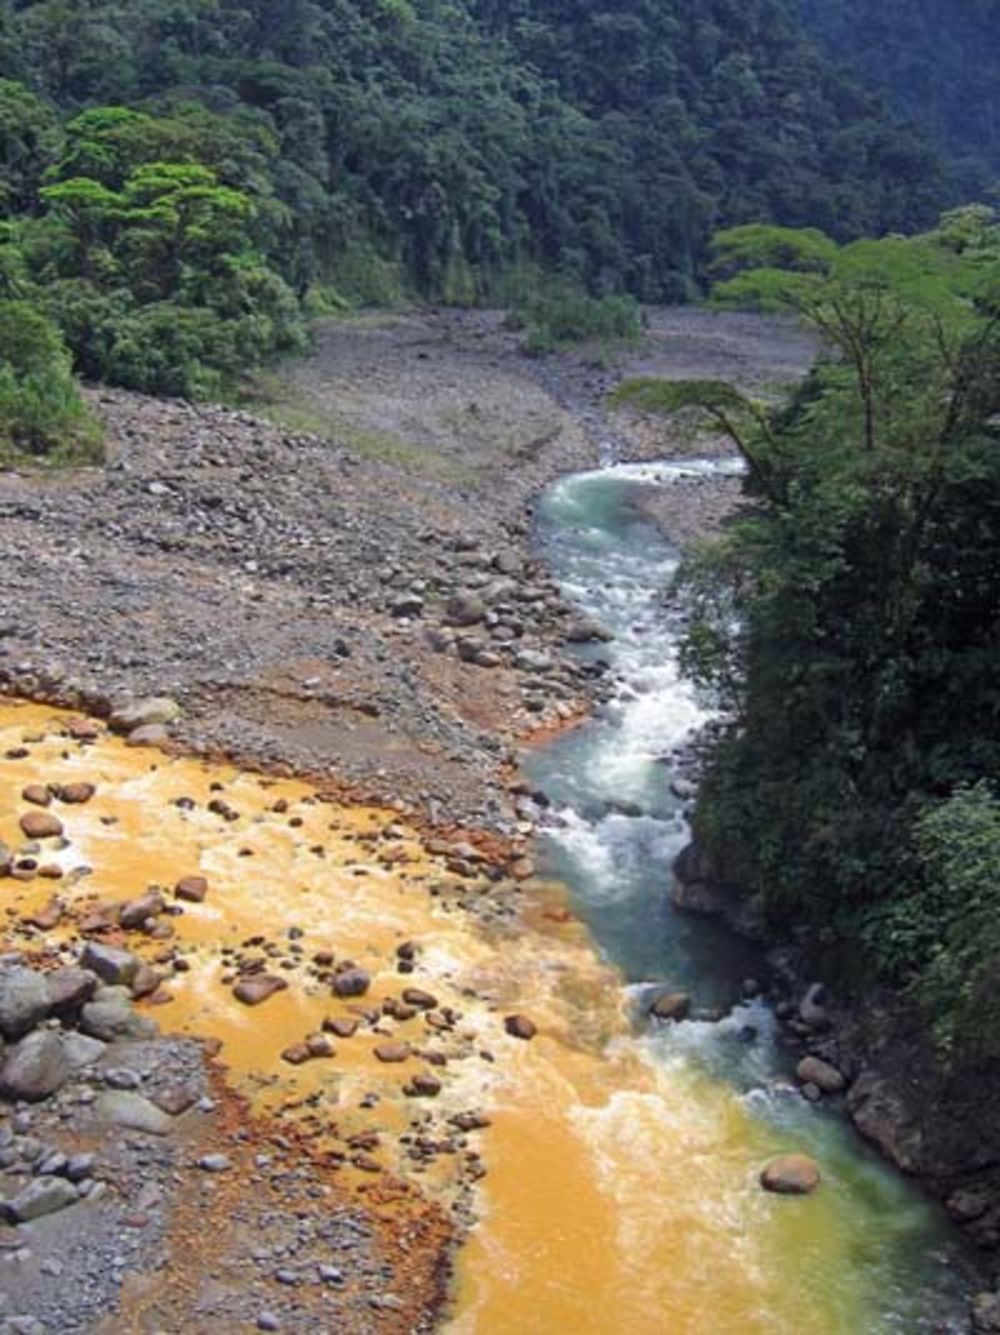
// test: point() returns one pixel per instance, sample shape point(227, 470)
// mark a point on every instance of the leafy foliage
point(850, 619)
point(40, 407)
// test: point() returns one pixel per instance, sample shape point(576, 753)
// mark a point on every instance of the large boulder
point(121, 1107)
point(112, 1019)
point(156, 711)
point(24, 1001)
point(69, 989)
point(881, 1115)
point(36, 1068)
point(826, 1077)
point(112, 965)
point(45, 1195)
point(791, 1175)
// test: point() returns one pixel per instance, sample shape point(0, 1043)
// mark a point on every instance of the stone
point(815, 1071)
point(153, 734)
point(791, 1175)
point(132, 1111)
point(674, 1006)
point(422, 1001)
point(351, 982)
point(191, 889)
point(342, 1026)
point(146, 981)
point(24, 1001)
point(37, 794)
point(113, 1019)
point(36, 1068)
point(156, 711)
point(423, 1086)
point(41, 825)
point(880, 1113)
point(519, 1026)
point(45, 919)
point(81, 1050)
point(113, 966)
point(75, 794)
point(296, 1054)
point(137, 912)
point(812, 1011)
point(522, 869)
point(40, 1197)
point(258, 988)
point(465, 609)
point(215, 1163)
point(391, 1053)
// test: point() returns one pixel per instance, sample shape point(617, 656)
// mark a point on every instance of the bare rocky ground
point(340, 584)
point(359, 598)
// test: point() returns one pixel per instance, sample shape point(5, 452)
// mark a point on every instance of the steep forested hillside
point(937, 60)
point(178, 175)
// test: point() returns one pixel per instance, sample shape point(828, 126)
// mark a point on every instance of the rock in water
point(351, 982)
point(791, 1175)
point(675, 1006)
point(814, 1071)
point(41, 825)
point(259, 988)
point(113, 966)
point(519, 1026)
point(192, 889)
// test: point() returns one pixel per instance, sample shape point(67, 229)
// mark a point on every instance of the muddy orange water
point(620, 1195)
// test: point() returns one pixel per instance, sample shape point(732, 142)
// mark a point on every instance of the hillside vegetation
point(182, 180)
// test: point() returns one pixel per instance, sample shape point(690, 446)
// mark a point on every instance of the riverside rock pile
point(302, 605)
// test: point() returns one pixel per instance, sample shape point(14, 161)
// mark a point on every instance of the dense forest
point(938, 62)
point(850, 617)
point(181, 179)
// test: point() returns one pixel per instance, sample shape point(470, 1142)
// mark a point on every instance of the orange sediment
point(619, 1194)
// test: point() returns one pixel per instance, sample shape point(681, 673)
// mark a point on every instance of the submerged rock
point(791, 1175)
point(253, 991)
point(674, 1006)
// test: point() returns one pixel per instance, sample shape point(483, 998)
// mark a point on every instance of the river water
point(656, 1222)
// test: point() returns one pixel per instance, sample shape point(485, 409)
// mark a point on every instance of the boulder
point(122, 1107)
point(75, 794)
point(113, 1019)
point(351, 982)
point(812, 1008)
point(880, 1114)
point(815, 1071)
point(156, 711)
point(24, 1001)
point(258, 988)
point(392, 1052)
point(81, 1050)
point(69, 989)
point(36, 1068)
point(519, 1026)
point(674, 1006)
point(465, 609)
point(791, 1175)
point(41, 825)
point(191, 889)
point(112, 965)
point(45, 1195)
point(137, 912)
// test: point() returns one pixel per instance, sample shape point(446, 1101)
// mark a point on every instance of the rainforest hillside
point(938, 62)
point(178, 176)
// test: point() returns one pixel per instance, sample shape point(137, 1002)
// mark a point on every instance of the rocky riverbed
point(341, 585)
